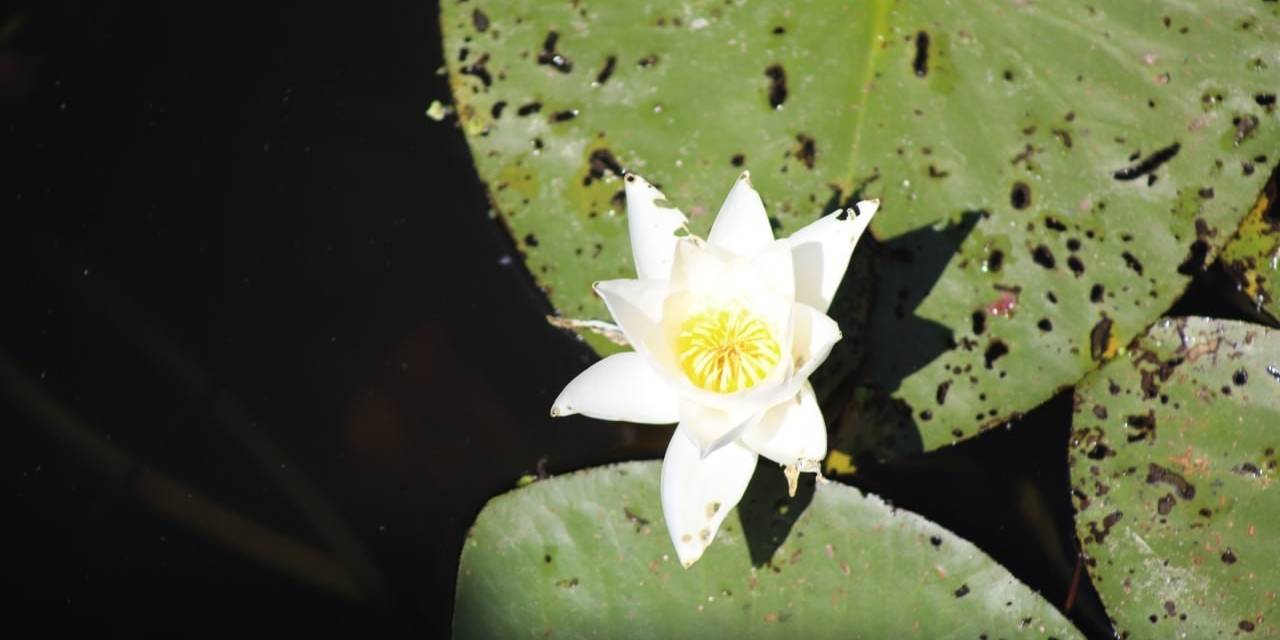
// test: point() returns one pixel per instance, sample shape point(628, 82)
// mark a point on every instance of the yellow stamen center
point(726, 350)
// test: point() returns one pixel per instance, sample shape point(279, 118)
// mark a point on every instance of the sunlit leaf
point(1173, 469)
point(587, 556)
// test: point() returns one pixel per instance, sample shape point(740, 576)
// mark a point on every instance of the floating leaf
point(1253, 255)
point(587, 556)
point(1173, 464)
point(1053, 174)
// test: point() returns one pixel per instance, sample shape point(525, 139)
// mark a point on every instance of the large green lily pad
point(1173, 465)
point(1053, 173)
point(587, 556)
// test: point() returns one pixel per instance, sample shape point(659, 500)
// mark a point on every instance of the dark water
point(264, 355)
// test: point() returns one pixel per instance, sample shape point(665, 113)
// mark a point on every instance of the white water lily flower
point(726, 332)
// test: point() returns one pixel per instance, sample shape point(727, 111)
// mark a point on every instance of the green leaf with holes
point(1053, 173)
point(1173, 468)
point(1252, 257)
point(587, 556)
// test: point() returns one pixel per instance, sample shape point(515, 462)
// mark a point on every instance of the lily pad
point(587, 556)
point(1053, 174)
point(1173, 464)
point(1253, 255)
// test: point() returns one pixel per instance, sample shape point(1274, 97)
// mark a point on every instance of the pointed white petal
point(791, 431)
point(698, 492)
point(711, 428)
point(636, 305)
point(813, 336)
point(652, 223)
point(621, 387)
point(775, 268)
point(742, 226)
point(821, 252)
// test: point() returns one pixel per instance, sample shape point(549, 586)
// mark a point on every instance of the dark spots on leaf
point(1020, 195)
point(807, 150)
point(995, 350)
point(941, 393)
point(936, 173)
point(1148, 164)
point(1008, 75)
point(479, 20)
point(1099, 451)
point(1073, 244)
point(935, 541)
point(1051, 297)
point(1165, 504)
point(777, 85)
point(994, 261)
point(1246, 168)
point(606, 72)
point(1206, 193)
point(1100, 338)
point(635, 519)
point(550, 57)
point(1099, 412)
point(979, 322)
point(1043, 257)
point(1143, 425)
point(618, 202)
point(921, 62)
point(779, 30)
point(1229, 556)
point(564, 116)
point(1096, 534)
point(479, 70)
point(1240, 377)
point(567, 583)
point(962, 591)
point(1055, 224)
point(738, 160)
point(497, 108)
point(547, 558)
point(926, 415)
point(1246, 626)
point(529, 109)
point(531, 240)
point(1248, 469)
point(1245, 126)
point(1158, 474)
point(1063, 136)
point(1266, 101)
point(1076, 266)
point(1096, 292)
point(648, 61)
point(1045, 325)
point(1132, 262)
point(600, 162)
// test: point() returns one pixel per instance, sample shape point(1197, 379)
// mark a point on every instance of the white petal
point(822, 249)
point(813, 336)
point(653, 224)
point(621, 387)
point(698, 492)
point(742, 226)
point(636, 305)
point(791, 431)
point(711, 428)
point(774, 268)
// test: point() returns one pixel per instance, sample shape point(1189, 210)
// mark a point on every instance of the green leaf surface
point(1173, 465)
point(1053, 174)
point(1252, 257)
point(587, 556)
